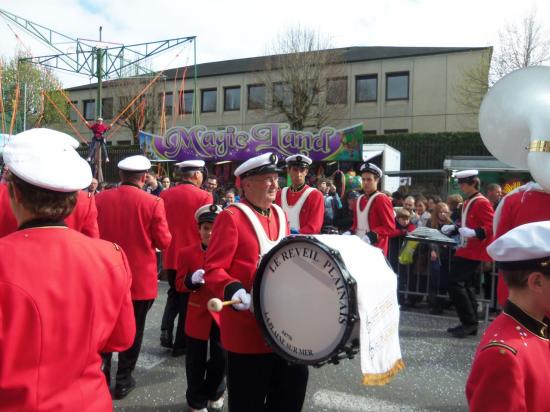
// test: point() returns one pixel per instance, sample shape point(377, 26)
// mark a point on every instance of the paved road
point(436, 370)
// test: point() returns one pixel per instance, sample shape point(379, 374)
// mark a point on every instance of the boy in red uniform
point(64, 297)
point(205, 378)
point(373, 218)
point(511, 369)
point(304, 205)
point(98, 130)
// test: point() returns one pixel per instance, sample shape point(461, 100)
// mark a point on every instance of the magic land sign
point(231, 144)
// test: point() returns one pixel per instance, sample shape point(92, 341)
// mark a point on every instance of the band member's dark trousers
point(462, 289)
point(95, 142)
point(205, 378)
point(176, 305)
point(127, 360)
point(265, 383)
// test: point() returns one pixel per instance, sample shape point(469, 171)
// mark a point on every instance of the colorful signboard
point(231, 144)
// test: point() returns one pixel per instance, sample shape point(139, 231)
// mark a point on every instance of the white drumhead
point(304, 300)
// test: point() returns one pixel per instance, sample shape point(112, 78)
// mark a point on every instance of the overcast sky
point(230, 29)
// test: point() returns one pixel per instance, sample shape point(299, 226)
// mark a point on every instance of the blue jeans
point(95, 141)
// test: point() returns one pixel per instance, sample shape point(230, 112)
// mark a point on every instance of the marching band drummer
point(64, 297)
point(83, 218)
point(476, 233)
point(257, 379)
point(205, 379)
point(373, 220)
point(511, 368)
point(304, 205)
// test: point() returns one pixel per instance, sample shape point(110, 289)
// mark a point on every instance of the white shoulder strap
point(363, 226)
point(466, 209)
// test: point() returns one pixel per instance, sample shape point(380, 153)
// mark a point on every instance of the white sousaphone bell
point(514, 121)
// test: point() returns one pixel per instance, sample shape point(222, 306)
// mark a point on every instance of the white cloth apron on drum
point(265, 243)
point(377, 307)
point(464, 217)
point(293, 212)
point(363, 226)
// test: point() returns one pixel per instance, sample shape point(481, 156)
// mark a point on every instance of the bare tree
point(301, 71)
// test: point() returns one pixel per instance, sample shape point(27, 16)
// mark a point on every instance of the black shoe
point(454, 328)
point(177, 352)
point(165, 339)
point(465, 331)
point(123, 389)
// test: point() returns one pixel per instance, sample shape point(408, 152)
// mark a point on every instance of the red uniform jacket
point(381, 219)
point(181, 203)
point(136, 221)
point(511, 369)
point(312, 213)
point(198, 321)
point(517, 209)
point(98, 130)
point(64, 299)
point(82, 219)
point(480, 215)
point(231, 261)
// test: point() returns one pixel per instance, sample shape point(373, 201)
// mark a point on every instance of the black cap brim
point(262, 170)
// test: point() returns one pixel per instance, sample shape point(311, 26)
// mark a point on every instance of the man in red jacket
point(181, 203)
point(136, 221)
point(304, 205)
point(205, 378)
point(373, 220)
point(257, 379)
point(511, 368)
point(476, 233)
point(64, 297)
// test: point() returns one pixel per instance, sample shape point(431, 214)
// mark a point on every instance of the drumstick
point(216, 305)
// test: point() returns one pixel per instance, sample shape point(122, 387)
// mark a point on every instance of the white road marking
point(344, 402)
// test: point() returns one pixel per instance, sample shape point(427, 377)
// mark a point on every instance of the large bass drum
point(305, 299)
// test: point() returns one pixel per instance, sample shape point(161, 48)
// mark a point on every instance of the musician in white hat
point(205, 374)
point(511, 369)
point(373, 217)
point(304, 205)
point(258, 379)
point(476, 233)
point(64, 297)
point(83, 217)
point(181, 202)
point(135, 220)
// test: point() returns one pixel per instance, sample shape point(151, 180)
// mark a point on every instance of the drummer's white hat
point(189, 165)
point(265, 163)
point(298, 160)
point(47, 159)
point(522, 248)
point(371, 168)
point(207, 213)
point(466, 176)
point(138, 163)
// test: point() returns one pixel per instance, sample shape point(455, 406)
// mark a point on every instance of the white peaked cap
point(464, 174)
point(138, 163)
point(298, 158)
point(191, 164)
point(526, 246)
point(47, 159)
point(265, 163)
point(207, 213)
point(371, 168)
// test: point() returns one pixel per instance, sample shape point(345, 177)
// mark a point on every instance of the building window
point(366, 88)
point(337, 90)
point(186, 104)
point(107, 107)
point(232, 98)
point(208, 100)
point(73, 115)
point(89, 109)
point(394, 131)
point(168, 103)
point(282, 94)
point(256, 96)
point(397, 86)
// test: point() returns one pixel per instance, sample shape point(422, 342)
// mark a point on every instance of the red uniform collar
point(537, 328)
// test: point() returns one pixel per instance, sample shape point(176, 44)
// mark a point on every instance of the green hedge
point(428, 150)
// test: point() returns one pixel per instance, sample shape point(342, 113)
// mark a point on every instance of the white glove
point(466, 232)
point(447, 229)
point(244, 297)
point(197, 277)
point(348, 233)
point(366, 239)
